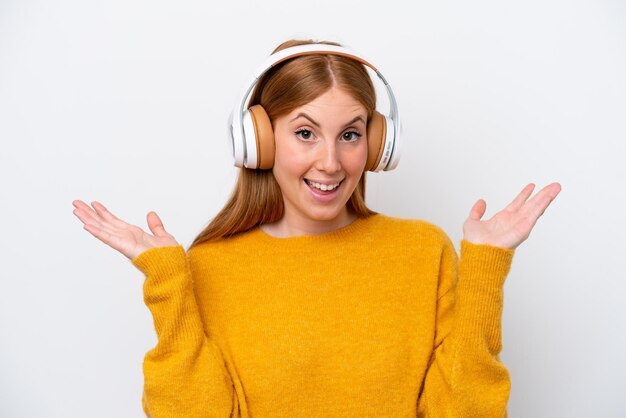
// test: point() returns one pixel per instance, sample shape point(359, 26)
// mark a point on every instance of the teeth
point(323, 187)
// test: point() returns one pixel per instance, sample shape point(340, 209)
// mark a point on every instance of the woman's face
point(321, 151)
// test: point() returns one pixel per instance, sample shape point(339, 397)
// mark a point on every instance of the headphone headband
point(245, 155)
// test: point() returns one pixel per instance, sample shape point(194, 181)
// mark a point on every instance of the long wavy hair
point(257, 198)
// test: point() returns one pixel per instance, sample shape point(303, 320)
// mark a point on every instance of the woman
point(297, 300)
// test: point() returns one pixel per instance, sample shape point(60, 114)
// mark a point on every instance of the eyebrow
point(304, 115)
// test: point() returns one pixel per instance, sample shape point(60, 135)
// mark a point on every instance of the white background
point(126, 102)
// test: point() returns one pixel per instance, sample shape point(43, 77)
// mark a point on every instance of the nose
point(328, 156)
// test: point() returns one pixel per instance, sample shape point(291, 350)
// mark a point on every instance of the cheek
point(288, 162)
point(355, 163)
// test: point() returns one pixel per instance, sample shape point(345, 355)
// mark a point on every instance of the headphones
point(252, 137)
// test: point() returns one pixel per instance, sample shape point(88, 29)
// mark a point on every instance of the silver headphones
point(250, 130)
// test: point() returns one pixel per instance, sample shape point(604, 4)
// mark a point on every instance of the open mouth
point(322, 187)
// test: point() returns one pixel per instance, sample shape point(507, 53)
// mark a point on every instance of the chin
point(327, 214)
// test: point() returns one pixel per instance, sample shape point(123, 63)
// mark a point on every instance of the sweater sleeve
point(184, 374)
point(465, 377)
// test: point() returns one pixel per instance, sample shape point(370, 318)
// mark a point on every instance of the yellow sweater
point(371, 320)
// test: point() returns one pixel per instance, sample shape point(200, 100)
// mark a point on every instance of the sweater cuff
point(485, 264)
point(161, 262)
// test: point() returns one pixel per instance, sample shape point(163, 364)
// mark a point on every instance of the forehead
point(333, 102)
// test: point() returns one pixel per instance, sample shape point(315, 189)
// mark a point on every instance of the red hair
point(257, 198)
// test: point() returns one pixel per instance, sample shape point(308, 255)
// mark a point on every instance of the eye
point(350, 136)
point(304, 134)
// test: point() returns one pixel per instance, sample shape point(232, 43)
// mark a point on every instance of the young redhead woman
point(299, 301)
point(321, 151)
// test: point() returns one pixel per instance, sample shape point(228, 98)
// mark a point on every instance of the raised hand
point(512, 225)
point(129, 240)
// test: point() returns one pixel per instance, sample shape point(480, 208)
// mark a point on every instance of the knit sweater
point(377, 319)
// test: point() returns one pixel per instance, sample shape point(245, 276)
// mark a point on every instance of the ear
point(264, 137)
point(376, 133)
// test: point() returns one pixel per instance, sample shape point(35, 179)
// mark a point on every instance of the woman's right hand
point(129, 240)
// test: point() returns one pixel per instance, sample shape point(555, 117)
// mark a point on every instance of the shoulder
point(407, 225)
point(234, 244)
point(395, 227)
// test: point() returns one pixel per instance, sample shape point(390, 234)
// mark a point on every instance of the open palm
point(512, 225)
point(128, 239)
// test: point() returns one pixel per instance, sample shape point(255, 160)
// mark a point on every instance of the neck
point(293, 225)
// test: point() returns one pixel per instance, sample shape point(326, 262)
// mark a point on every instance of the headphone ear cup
point(376, 135)
point(260, 136)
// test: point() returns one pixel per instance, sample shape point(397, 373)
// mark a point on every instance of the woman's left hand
point(512, 225)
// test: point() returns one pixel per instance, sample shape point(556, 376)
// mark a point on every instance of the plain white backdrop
point(126, 102)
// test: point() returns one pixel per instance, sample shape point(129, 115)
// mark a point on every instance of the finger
point(521, 198)
point(106, 236)
point(90, 221)
point(87, 217)
point(536, 206)
point(113, 240)
point(86, 210)
point(77, 203)
point(478, 210)
point(105, 214)
point(156, 225)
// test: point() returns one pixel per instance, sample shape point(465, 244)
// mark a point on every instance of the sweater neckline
point(338, 234)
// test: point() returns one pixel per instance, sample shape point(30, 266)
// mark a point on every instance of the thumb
point(156, 225)
point(478, 210)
